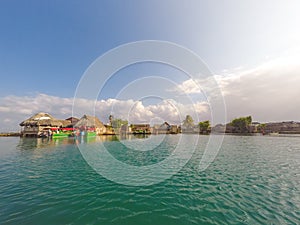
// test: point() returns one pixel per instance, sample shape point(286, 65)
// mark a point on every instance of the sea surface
point(253, 180)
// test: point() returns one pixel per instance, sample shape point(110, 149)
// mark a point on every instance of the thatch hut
point(164, 128)
point(73, 121)
point(38, 124)
point(90, 122)
point(161, 128)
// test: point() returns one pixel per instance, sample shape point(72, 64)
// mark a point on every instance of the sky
point(251, 48)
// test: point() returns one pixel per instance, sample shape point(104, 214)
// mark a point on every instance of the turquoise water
point(254, 180)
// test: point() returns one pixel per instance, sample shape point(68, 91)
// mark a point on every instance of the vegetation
point(261, 127)
point(241, 125)
point(188, 122)
point(204, 127)
point(117, 123)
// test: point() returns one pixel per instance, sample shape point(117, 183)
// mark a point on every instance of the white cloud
point(268, 92)
point(15, 109)
point(189, 87)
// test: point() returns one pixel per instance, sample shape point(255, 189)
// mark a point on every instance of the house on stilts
point(41, 124)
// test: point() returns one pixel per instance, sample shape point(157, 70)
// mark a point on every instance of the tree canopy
point(117, 123)
point(204, 126)
point(242, 124)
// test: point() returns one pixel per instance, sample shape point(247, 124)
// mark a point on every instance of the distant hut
point(165, 128)
point(219, 128)
point(140, 128)
point(173, 129)
point(161, 128)
point(40, 124)
point(90, 123)
point(73, 121)
point(109, 129)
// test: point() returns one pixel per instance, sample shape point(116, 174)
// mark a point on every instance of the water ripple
point(254, 180)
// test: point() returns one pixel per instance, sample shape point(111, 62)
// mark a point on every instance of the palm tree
point(188, 122)
point(111, 118)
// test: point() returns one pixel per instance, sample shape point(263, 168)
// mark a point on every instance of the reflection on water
point(32, 143)
point(37, 143)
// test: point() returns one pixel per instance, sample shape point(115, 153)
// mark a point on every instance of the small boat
point(91, 134)
point(86, 133)
point(274, 133)
point(62, 132)
point(61, 135)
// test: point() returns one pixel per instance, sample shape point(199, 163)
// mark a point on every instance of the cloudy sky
point(251, 47)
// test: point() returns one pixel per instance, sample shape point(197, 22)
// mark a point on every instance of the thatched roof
point(164, 125)
point(89, 121)
point(65, 123)
point(73, 119)
point(44, 119)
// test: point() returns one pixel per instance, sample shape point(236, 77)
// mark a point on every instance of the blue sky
point(45, 46)
point(42, 41)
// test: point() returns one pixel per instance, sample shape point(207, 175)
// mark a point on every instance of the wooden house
point(39, 124)
point(90, 123)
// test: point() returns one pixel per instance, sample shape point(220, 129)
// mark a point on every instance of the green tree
point(204, 126)
point(117, 123)
point(261, 127)
point(188, 122)
point(241, 124)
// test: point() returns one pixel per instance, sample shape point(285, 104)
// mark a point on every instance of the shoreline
point(10, 134)
point(18, 134)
